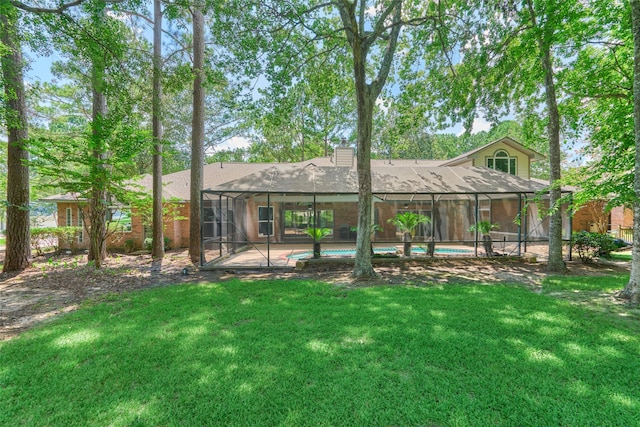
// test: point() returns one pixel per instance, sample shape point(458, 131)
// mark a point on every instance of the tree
point(18, 249)
point(545, 39)
point(157, 247)
point(511, 51)
point(600, 107)
point(92, 163)
point(631, 291)
point(276, 39)
point(197, 138)
point(385, 28)
point(98, 168)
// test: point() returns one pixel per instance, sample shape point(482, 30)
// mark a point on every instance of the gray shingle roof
point(401, 179)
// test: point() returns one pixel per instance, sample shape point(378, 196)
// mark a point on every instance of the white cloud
point(479, 124)
point(233, 143)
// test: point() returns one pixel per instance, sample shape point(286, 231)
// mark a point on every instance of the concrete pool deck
point(283, 256)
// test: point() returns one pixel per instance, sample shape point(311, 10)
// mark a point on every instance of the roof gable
point(510, 142)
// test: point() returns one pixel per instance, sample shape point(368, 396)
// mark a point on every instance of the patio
point(285, 256)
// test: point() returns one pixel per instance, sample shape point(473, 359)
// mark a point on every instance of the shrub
point(129, 245)
point(68, 237)
point(592, 245)
point(43, 238)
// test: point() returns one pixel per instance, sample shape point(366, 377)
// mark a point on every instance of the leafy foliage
point(43, 238)
point(483, 227)
point(408, 222)
point(317, 234)
point(593, 245)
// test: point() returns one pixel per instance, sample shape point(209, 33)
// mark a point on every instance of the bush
point(43, 238)
point(68, 237)
point(592, 245)
point(148, 243)
point(129, 245)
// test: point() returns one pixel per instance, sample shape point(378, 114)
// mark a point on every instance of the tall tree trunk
point(18, 248)
point(197, 136)
point(361, 39)
point(631, 291)
point(362, 264)
point(157, 248)
point(98, 170)
point(556, 263)
point(98, 195)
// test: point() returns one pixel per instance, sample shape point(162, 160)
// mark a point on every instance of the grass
point(608, 283)
point(2, 240)
point(297, 353)
point(620, 256)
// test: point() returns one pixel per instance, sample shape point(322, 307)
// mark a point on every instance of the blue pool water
point(390, 250)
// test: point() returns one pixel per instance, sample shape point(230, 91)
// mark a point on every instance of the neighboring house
point(247, 204)
point(621, 223)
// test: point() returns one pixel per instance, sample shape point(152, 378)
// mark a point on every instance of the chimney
point(344, 154)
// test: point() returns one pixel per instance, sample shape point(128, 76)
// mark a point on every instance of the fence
point(624, 233)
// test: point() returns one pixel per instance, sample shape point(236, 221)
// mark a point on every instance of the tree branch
point(60, 9)
point(387, 60)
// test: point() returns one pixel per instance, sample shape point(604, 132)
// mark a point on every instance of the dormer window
point(501, 161)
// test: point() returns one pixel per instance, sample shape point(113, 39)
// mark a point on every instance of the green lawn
point(620, 256)
point(296, 353)
point(2, 240)
point(609, 283)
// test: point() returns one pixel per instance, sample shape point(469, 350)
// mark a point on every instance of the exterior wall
point(177, 230)
point(621, 217)
point(504, 212)
point(582, 220)
point(523, 164)
point(176, 226)
point(119, 240)
point(75, 222)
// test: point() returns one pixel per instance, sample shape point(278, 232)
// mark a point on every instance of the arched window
point(501, 161)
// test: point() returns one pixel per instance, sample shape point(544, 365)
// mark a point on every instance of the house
point(262, 205)
point(269, 210)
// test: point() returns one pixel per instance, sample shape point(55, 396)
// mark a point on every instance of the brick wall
point(621, 217)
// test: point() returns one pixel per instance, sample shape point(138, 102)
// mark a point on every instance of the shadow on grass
point(303, 353)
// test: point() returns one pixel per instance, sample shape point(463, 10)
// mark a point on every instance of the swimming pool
point(389, 250)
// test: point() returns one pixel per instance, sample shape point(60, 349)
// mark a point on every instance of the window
point(296, 221)
point(81, 225)
point(265, 220)
point(119, 219)
point(69, 221)
point(501, 161)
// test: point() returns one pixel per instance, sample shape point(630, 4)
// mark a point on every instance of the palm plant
point(407, 223)
point(484, 228)
point(317, 234)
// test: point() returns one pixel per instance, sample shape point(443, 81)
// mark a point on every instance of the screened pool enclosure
point(264, 219)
